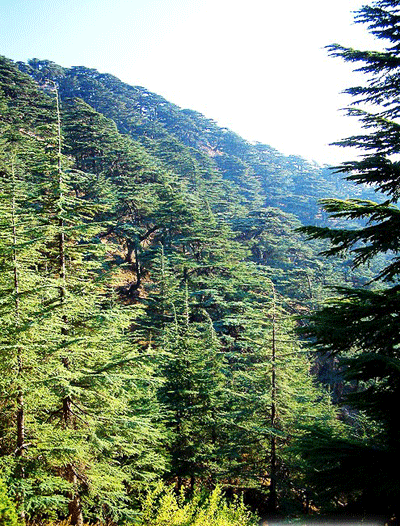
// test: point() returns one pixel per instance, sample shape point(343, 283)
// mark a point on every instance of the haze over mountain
point(259, 69)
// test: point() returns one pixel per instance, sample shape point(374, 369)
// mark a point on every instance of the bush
point(8, 513)
point(162, 507)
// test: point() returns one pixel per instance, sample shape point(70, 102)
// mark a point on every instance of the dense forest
point(182, 318)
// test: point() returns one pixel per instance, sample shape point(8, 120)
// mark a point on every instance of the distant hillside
point(260, 195)
point(187, 142)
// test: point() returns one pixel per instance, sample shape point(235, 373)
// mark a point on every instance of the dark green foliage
point(361, 326)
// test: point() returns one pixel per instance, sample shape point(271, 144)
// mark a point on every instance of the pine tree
point(80, 424)
point(92, 431)
point(362, 325)
point(23, 156)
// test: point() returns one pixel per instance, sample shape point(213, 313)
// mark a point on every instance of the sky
point(257, 67)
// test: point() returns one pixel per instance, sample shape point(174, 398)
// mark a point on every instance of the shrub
point(162, 507)
point(8, 513)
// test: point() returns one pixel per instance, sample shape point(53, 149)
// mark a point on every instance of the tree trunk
point(273, 499)
point(74, 505)
point(20, 450)
point(20, 424)
point(20, 393)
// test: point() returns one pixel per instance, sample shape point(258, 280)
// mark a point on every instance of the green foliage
point(162, 507)
point(149, 272)
point(73, 382)
point(8, 513)
point(361, 325)
point(340, 461)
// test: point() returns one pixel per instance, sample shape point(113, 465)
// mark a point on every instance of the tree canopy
point(151, 267)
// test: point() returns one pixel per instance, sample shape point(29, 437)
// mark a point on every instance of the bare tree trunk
point(273, 499)
point(74, 505)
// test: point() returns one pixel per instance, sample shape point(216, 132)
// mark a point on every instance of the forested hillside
point(151, 267)
point(253, 187)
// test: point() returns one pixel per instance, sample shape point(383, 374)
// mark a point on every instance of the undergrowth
point(163, 507)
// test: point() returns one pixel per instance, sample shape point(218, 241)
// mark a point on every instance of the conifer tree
point(362, 325)
point(90, 412)
point(271, 394)
point(93, 415)
point(18, 281)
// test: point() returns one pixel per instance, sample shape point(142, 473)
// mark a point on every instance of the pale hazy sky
point(257, 67)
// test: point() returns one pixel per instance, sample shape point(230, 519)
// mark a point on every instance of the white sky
point(257, 67)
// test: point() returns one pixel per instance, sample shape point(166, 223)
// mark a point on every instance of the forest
point(194, 329)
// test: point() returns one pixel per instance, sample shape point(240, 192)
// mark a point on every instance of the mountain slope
point(290, 183)
point(234, 177)
point(161, 265)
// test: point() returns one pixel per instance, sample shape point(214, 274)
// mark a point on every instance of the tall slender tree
point(17, 281)
point(92, 356)
point(79, 425)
